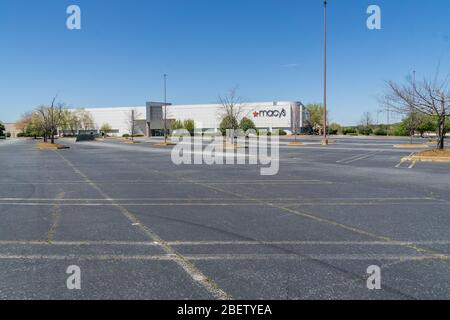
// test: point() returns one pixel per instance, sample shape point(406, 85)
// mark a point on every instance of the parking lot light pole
point(165, 108)
point(412, 120)
point(325, 135)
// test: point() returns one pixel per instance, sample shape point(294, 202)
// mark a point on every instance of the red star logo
point(255, 114)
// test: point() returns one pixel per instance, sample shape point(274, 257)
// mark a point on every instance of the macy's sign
point(270, 114)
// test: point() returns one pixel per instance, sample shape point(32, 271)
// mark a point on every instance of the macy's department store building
point(288, 116)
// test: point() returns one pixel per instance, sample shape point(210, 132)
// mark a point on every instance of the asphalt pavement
point(140, 227)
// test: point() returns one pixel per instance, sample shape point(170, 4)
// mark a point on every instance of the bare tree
point(231, 112)
point(49, 119)
point(314, 121)
point(70, 121)
point(132, 117)
point(427, 97)
point(41, 121)
point(24, 121)
point(367, 120)
point(85, 119)
point(56, 118)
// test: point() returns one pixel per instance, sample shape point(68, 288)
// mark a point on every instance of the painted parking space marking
point(218, 252)
point(213, 204)
point(412, 165)
point(225, 257)
point(220, 243)
point(176, 182)
point(400, 164)
point(358, 157)
point(305, 214)
point(185, 264)
point(281, 199)
point(230, 202)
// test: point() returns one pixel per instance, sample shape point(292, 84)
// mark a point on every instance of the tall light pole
point(378, 116)
point(412, 120)
point(325, 135)
point(165, 108)
point(388, 113)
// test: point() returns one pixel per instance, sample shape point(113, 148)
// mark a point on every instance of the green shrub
point(398, 130)
point(365, 131)
point(333, 131)
point(189, 125)
point(247, 124)
point(349, 131)
point(380, 132)
point(106, 128)
point(228, 123)
point(277, 132)
point(334, 128)
point(178, 125)
point(126, 135)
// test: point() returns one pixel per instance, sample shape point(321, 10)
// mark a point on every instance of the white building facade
point(285, 115)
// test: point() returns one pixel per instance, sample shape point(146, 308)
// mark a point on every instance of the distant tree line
point(2, 131)
point(46, 121)
point(414, 123)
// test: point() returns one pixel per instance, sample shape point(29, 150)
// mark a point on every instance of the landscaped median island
point(411, 146)
point(127, 141)
point(49, 146)
point(430, 156)
point(165, 144)
point(295, 143)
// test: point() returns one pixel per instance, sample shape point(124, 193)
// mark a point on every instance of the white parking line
point(399, 164)
point(403, 161)
point(362, 157)
point(308, 243)
point(77, 243)
point(357, 157)
point(190, 269)
point(412, 165)
point(218, 243)
point(140, 182)
point(225, 257)
point(166, 257)
point(214, 204)
point(319, 257)
point(318, 200)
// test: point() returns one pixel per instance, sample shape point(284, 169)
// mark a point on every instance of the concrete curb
point(161, 145)
point(52, 149)
point(427, 159)
point(295, 144)
point(411, 146)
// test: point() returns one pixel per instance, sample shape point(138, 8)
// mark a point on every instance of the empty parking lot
point(140, 227)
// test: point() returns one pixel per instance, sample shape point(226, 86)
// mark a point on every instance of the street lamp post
point(412, 120)
point(325, 135)
point(165, 108)
point(388, 120)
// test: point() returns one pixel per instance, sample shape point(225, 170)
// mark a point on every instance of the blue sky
point(270, 49)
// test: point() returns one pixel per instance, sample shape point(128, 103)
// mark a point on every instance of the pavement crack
point(55, 218)
point(195, 273)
